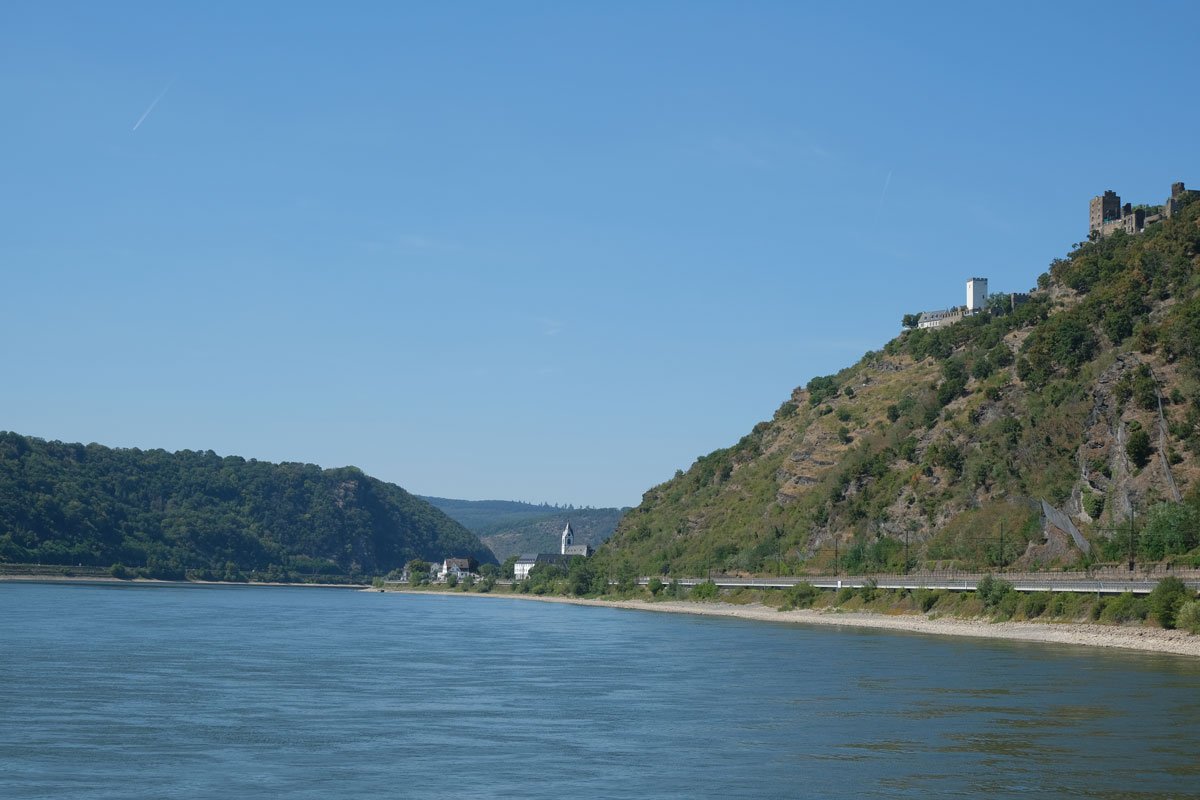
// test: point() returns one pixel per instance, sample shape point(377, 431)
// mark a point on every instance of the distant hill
point(511, 528)
point(198, 514)
point(939, 449)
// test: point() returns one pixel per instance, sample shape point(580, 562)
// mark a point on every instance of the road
point(960, 582)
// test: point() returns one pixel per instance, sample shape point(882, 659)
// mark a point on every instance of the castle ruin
point(1106, 215)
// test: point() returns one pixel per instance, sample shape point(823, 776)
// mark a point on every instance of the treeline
point(199, 515)
point(490, 517)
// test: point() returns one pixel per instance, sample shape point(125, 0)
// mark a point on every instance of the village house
point(458, 567)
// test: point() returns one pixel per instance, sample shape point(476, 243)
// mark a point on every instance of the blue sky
point(537, 251)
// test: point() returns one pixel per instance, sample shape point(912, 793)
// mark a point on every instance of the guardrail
point(961, 583)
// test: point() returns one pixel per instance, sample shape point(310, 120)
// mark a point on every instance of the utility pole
point(836, 568)
point(1131, 540)
point(1002, 561)
point(906, 550)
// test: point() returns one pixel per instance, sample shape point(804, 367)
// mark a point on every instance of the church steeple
point(568, 537)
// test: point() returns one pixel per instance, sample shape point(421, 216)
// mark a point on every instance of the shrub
point(1138, 447)
point(655, 586)
point(1067, 604)
point(122, 572)
point(992, 590)
point(452, 580)
point(821, 388)
point(1188, 618)
point(1007, 606)
point(705, 591)
point(1034, 604)
point(926, 599)
point(1164, 602)
point(802, 595)
point(1123, 608)
point(868, 590)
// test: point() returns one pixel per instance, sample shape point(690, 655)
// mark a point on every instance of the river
point(127, 691)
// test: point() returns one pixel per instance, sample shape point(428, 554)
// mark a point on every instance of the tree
point(909, 321)
point(1172, 529)
point(508, 568)
point(1138, 447)
point(1166, 599)
point(998, 303)
point(583, 578)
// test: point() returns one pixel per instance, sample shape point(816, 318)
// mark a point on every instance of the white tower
point(568, 538)
point(976, 294)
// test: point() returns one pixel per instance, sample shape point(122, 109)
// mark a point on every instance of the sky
point(533, 251)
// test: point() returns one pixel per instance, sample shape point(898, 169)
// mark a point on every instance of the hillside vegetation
point(938, 450)
point(511, 528)
point(171, 515)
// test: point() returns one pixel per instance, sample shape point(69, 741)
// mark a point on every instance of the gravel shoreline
point(1146, 639)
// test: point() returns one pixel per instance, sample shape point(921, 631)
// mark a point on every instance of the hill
point(511, 528)
point(939, 450)
point(168, 515)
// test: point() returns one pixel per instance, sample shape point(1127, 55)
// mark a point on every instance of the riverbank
point(98, 579)
point(1126, 637)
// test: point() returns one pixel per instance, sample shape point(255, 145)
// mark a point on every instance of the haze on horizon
point(529, 251)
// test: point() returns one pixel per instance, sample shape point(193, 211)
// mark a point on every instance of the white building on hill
point(977, 294)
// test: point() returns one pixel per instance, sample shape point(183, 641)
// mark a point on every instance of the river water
point(180, 691)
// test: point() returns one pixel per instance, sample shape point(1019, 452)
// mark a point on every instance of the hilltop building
point(567, 550)
point(977, 294)
point(1106, 215)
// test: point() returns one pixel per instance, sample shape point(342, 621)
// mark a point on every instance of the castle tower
point(976, 294)
point(1172, 205)
point(568, 537)
point(1102, 209)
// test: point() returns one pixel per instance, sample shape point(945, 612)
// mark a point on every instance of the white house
point(523, 565)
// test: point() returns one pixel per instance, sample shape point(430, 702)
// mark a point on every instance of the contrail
point(161, 94)
point(882, 194)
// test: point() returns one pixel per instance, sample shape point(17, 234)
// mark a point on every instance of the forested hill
point(938, 450)
point(511, 528)
point(198, 514)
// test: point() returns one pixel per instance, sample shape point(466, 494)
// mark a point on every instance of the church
point(567, 551)
point(569, 548)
